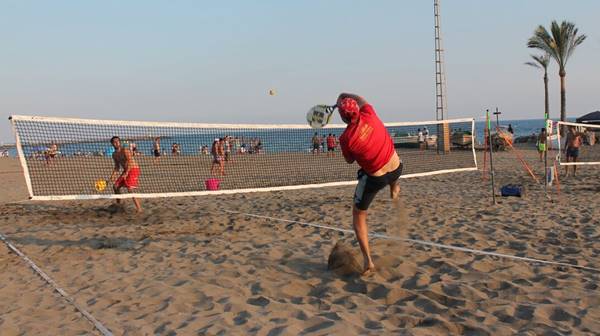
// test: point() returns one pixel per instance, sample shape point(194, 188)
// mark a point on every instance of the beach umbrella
point(590, 118)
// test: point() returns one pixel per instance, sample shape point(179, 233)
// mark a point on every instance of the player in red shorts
point(131, 171)
point(367, 141)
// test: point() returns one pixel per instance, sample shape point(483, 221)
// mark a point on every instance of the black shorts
point(368, 186)
point(316, 146)
point(330, 149)
point(156, 153)
point(572, 152)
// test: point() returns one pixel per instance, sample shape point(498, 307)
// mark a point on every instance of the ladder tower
point(441, 112)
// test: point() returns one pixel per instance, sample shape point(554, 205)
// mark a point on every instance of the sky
point(215, 61)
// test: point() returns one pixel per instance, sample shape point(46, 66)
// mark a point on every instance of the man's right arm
point(360, 100)
point(346, 153)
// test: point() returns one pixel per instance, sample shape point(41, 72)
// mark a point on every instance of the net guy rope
point(101, 328)
point(421, 242)
point(72, 159)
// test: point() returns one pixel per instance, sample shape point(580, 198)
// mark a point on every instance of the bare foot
point(368, 270)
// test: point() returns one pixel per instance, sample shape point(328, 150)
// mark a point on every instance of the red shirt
point(330, 141)
point(367, 141)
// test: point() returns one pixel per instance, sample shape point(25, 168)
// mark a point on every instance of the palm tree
point(542, 62)
point(560, 44)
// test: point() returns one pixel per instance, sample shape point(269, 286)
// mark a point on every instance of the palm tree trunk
point(546, 116)
point(546, 102)
point(563, 100)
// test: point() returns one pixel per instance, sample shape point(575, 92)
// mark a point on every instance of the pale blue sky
point(214, 61)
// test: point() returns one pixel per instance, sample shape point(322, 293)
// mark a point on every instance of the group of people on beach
point(319, 142)
point(572, 145)
point(156, 149)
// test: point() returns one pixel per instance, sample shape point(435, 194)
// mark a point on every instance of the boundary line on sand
point(422, 242)
point(99, 326)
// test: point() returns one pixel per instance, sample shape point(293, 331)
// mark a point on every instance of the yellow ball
point(100, 185)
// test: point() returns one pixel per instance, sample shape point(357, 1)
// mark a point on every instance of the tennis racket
point(320, 115)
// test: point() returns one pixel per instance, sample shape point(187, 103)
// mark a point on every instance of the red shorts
point(129, 182)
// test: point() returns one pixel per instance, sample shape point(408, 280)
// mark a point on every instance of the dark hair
point(114, 138)
point(543, 129)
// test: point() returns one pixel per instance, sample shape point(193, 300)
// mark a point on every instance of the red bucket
point(212, 184)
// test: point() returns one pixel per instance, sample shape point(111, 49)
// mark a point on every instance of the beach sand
point(187, 266)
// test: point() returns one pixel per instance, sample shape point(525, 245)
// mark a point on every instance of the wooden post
point(446, 140)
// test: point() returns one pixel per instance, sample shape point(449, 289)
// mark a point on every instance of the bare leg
point(575, 166)
point(138, 206)
point(359, 221)
point(117, 191)
point(395, 190)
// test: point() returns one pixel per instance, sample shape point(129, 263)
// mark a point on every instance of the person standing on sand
point(51, 153)
point(421, 139)
point(367, 141)
point(156, 149)
point(316, 142)
point(123, 158)
point(217, 152)
point(541, 143)
point(330, 145)
point(574, 142)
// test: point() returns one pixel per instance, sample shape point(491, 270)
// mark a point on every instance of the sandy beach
point(210, 266)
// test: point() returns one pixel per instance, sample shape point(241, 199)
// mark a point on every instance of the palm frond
point(542, 40)
point(541, 61)
point(559, 43)
point(533, 64)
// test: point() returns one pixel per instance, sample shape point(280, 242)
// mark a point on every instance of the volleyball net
point(66, 158)
point(579, 144)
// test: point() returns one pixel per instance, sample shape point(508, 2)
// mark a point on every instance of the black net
point(69, 157)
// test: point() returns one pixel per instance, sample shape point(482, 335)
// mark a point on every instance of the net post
point(446, 137)
point(489, 128)
point(443, 139)
point(473, 142)
point(546, 155)
point(21, 157)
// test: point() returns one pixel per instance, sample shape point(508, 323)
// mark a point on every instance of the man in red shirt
point(367, 141)
point(330, 145)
